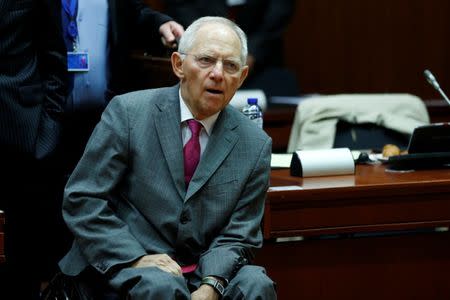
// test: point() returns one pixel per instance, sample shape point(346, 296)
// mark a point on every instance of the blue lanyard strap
point(70, 7)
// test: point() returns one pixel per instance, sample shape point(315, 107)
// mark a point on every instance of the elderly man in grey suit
point(143, 227)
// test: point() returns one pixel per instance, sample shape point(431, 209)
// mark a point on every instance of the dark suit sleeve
point(270, 31)
point(187, 11)
point(52, 61)
point(135, 22)
point(147, 19)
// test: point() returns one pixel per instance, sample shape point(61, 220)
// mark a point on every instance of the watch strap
point(218, 287)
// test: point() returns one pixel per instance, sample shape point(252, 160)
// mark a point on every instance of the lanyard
point(70, 7)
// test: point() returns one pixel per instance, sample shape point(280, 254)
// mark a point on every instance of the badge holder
point(77, 61)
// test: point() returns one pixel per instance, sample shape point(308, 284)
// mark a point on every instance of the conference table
point(377, 234)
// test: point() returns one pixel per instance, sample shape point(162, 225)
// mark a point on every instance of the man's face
point(211, 72)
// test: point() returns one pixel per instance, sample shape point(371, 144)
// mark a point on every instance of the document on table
point(281, 160)
point(285, 188)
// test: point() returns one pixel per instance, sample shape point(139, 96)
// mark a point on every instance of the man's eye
point(231, 66)
point(206, 60)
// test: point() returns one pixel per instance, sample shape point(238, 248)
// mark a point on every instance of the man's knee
point(254, 283)
point(155, 284)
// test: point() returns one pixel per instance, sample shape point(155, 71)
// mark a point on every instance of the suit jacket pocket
point(224, 188)
point(31, 95)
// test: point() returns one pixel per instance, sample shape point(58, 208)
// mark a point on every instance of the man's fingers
point(170, 33)
point(169, 44)
point(170, 269)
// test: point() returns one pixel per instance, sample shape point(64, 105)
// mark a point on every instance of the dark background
point(354, 46)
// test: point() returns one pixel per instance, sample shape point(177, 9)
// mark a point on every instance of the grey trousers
point(250, 283)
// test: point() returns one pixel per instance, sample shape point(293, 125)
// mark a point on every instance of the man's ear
point(244, 74)
point(177, 64)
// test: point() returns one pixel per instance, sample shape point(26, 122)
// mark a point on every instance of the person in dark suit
point(32, 95)
point(144, 226)
point(264, 22)
point(100, 36)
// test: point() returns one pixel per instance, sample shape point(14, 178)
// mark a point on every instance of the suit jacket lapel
point(167, 125)
point(221, 142)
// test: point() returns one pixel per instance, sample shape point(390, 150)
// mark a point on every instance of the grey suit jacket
point(127, 197)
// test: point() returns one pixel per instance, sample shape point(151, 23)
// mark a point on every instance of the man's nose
point(217, 70)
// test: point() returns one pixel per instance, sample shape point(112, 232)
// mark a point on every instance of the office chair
point(367, 136)
point(89, 287)
point(356, 121)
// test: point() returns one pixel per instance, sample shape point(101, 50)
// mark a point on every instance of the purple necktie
point(191, 150)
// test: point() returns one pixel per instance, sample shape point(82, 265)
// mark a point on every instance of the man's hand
point(205, 292)
point(170, 32)
point(162, 261)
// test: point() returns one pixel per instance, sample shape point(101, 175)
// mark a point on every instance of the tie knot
point(194, 126)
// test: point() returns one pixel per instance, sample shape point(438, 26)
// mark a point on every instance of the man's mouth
point(214, 91)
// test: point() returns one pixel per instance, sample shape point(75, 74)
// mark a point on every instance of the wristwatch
point(215, 284)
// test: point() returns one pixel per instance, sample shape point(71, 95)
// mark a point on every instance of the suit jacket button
point(184, 218)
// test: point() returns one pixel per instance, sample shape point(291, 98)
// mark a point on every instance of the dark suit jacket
point(264, 22)
point(133, 25)
point(32, 76)
point(127, 197)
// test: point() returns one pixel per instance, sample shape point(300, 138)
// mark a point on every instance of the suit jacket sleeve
point(188, 11)
point(234, 246)
point(270, 31)
point(52, 61)
point(147, 21)
point(102, 236)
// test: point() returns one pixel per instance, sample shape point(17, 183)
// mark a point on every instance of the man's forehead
point(216, 37)
point(218, 31)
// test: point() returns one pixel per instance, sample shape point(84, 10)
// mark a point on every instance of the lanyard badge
point(77, 61)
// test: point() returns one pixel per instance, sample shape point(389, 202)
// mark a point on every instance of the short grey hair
point(187, 39)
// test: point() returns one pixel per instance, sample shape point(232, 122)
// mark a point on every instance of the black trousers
point(35, 234)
